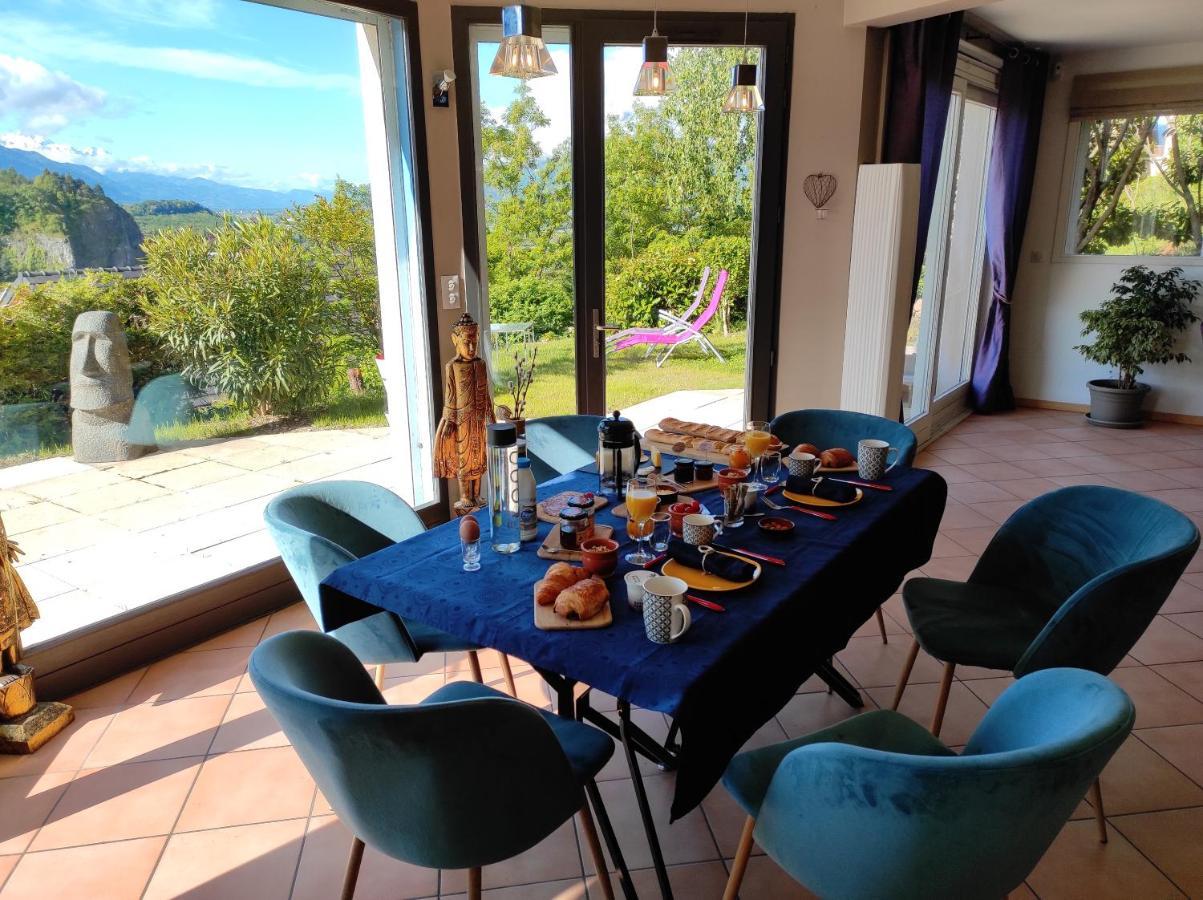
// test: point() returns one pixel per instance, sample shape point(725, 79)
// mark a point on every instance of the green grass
point(201, 221)
point(630, 378)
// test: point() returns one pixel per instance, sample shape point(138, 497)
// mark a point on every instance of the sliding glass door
point(952, 282)
point(629, 245)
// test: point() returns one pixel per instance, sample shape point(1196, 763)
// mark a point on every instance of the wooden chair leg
point(739, 865)
point(508, 674)
point(380, 677)
point(937, 720)
point(881, 625)
point(1100, 817)
point(595, 850)
point(352, 874)
point(474, 662)
point(474, 883)
point(905, 675)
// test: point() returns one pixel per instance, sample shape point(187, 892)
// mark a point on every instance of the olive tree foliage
point(245, 310)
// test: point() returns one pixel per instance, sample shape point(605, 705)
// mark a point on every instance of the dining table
point(729, 673)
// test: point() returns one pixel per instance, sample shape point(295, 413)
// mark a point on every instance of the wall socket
point(450, 294)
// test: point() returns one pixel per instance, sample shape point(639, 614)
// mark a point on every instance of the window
point(228, 192)
point(1139, 186)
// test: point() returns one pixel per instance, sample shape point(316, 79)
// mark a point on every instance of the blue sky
point(236, 91)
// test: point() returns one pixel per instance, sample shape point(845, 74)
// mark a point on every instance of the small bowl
point(599, 556)
point(776, 526)
point(678, 511)
point(665, 495)
point(730, 476)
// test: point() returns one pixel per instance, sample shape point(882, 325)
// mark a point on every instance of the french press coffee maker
point(618, 454)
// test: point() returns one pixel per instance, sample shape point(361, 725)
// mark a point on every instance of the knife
point(864, 484)
point(777, 561)
point(709, 604)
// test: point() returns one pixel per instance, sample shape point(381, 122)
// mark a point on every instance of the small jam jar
point(573, 522)
point(584, 502)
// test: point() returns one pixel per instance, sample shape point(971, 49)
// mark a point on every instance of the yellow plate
point(704, 581)
point(808, 500)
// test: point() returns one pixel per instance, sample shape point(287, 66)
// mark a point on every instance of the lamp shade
point(655, 78)
point(522, 53)
point(744, 96)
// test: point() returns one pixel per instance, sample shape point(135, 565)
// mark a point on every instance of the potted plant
point(1136, 326)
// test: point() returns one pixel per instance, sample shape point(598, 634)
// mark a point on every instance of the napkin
point(715, 564)
point(824, 488)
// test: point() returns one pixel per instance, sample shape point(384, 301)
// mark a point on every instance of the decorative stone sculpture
point(459, 442)
point(102, 391)
point(25, 724)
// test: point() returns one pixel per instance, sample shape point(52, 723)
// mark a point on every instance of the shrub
point(1140, 321)
point(245, 309)
point(35, 333)
point(544, 301)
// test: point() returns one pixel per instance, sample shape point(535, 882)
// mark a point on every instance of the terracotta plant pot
point(1112, 406)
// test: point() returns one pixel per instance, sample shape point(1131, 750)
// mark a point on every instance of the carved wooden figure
point(459, 441)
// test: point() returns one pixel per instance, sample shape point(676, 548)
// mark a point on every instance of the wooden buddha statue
point(459, 441)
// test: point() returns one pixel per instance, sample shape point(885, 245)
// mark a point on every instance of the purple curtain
point(923, 60)
point(1012, 166)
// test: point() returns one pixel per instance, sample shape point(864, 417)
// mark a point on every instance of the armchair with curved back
point(466, 778)
point(319, 527)
point(878, 807)
point(827, 428)
point(1073, 578)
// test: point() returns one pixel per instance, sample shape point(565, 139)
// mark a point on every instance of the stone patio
point(103, 539)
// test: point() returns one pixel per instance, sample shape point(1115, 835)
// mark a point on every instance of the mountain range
point(134, 187)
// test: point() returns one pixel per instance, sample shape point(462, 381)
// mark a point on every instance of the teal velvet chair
point(1073, 578)
point(466, 778)
point(319, 527)
point(557, 445)
point(877, 807)
point(827, 428)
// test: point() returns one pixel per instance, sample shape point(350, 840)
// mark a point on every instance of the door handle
point(599, 329)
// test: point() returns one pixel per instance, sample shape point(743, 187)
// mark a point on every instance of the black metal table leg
point(841, 685)
point(645, 810)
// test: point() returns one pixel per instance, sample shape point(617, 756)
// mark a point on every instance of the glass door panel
point(966, 255)
point(681, 180)
point(523, 132)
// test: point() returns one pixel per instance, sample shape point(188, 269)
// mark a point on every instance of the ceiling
point(1090, 24)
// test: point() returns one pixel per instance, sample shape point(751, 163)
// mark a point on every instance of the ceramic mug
point(699, 528)
point(802, 465)
point(663, 606)
point(873, 459)
point(635, 582)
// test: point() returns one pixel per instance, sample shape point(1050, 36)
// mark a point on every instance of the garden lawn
point(630, 378)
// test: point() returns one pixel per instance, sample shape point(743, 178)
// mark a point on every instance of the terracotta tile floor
point(174, 780)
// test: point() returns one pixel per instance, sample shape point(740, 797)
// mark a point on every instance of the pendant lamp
point(744, 96)
point(522, 53)
point(655, 79)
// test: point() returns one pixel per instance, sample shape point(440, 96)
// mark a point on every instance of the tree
point(1183, 170)
point(1114, 150)
point(245, 309)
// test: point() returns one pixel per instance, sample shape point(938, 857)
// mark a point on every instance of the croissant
point(558, 577)
point(583, 600)
point(807, 448)
point(836, 458)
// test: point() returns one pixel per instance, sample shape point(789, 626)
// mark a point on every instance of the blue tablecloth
point(731, 672)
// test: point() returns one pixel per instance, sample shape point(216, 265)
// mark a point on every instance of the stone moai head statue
point(102, 390)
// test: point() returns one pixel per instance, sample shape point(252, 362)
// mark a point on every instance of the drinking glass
point(770, 467)
point(661, 531)
point(641, 501)
point(470, 550)
point(757, 439)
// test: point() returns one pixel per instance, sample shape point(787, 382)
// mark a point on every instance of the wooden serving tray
point(598, 502)
point(692, 487)
point(547, 619)
point(687, 453)
point(551, 549)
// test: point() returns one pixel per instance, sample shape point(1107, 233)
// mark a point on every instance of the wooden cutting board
point(551, 549)
point(546, 619)
point(687, 453)
point(598, 502)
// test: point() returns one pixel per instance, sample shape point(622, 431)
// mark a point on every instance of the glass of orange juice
point(641, 501)
point(757, 439)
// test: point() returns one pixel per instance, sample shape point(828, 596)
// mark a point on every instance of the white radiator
point(879, 288)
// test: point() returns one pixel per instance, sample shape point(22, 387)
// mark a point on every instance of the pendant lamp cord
point(747, 5)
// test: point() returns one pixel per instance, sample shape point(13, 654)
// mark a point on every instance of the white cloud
point(245, 70)
point(96, 157)
point(43, 100)
point(172, 13)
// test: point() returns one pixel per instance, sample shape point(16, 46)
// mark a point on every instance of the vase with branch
point(525, 360)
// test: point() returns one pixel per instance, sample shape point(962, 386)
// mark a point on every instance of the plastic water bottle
point(503, 488)
point(528, 519)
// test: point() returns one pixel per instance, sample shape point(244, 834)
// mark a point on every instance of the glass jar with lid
point(573, 523)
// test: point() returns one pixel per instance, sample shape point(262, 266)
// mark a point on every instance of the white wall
point(1052, 287)
point(824, 135)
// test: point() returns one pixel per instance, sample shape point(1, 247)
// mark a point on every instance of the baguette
point(681, 442)
point(694, 429)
